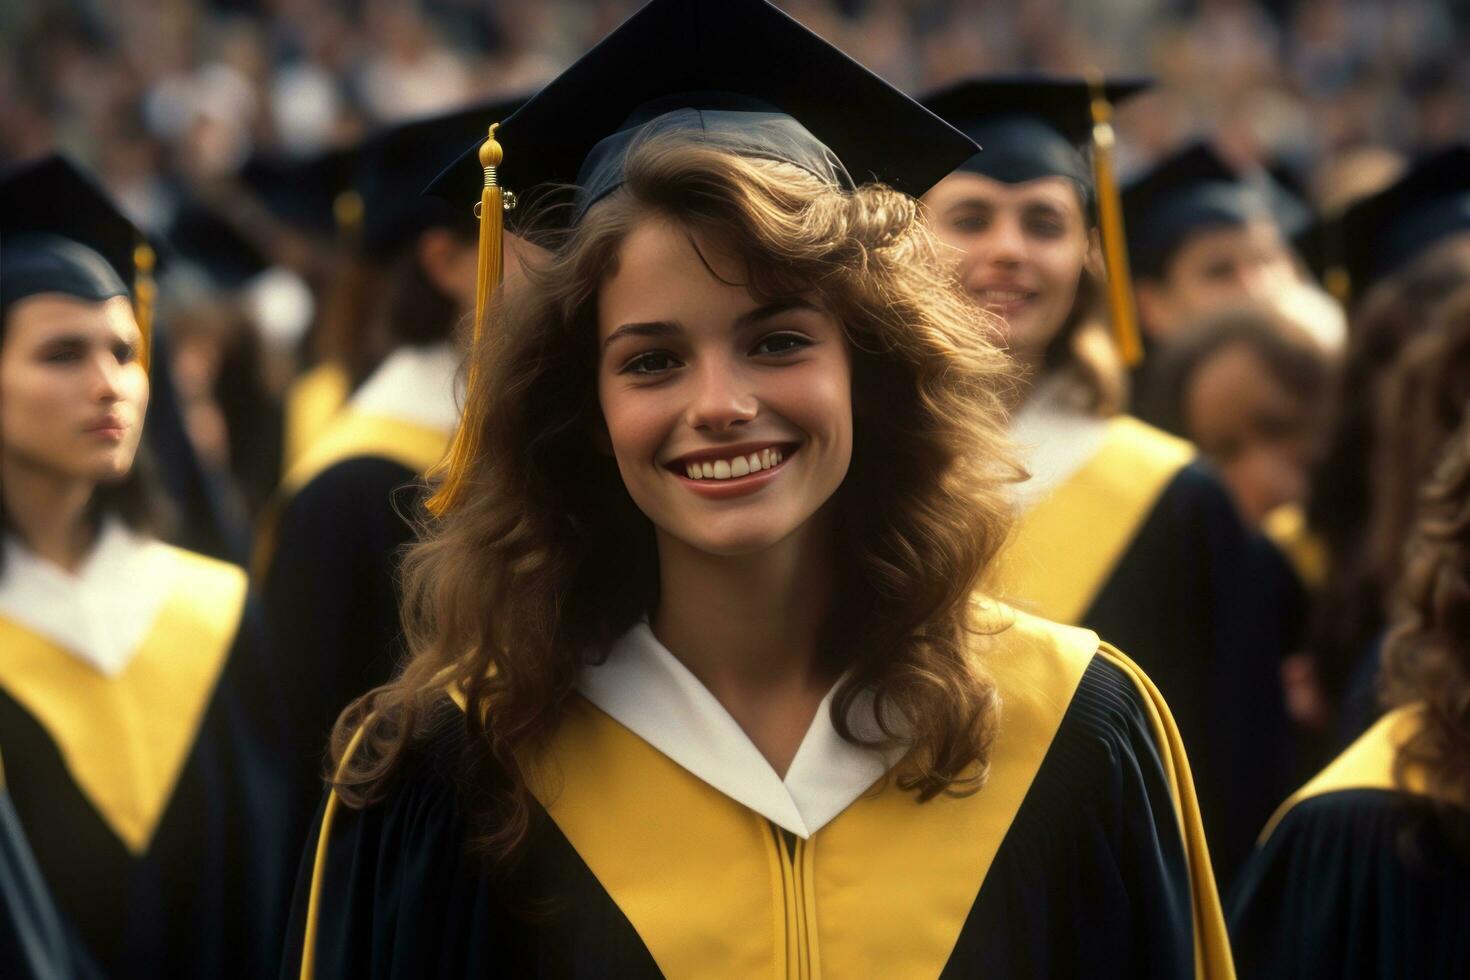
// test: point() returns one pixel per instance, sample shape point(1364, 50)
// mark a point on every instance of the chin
point(736, 542)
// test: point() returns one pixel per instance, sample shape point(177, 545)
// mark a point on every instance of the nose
point(722, 398)
point(1006, 244)
point(106, 379)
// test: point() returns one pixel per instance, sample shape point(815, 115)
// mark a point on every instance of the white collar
point(645, 688)
point(103, 613)
point(1054, 437)
point(414, 384)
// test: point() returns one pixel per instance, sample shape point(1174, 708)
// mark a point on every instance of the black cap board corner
point(726, 55)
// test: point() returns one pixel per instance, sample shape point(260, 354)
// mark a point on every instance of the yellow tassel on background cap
point(455, 467)
point(145, 292)
point(347, 211)
point(1110, 224)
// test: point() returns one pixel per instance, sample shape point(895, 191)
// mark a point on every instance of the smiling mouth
point(1004, 298)
point(708, 468)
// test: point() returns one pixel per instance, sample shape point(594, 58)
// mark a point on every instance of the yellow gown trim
point(312, 400)
point(1286, 527)
point(699, 842)
point(1067, 544)
point(351, 434)
point(825, 899)
point(1366, 764)
point(125, 739)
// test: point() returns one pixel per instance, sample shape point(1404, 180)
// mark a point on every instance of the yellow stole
point(312, 400)
point(1286, 527)
point(1366, 764)
point(1065, 547)
point(124, 739)
point(351, 434)
point(888, 883)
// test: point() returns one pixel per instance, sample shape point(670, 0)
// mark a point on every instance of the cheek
point(636, 420)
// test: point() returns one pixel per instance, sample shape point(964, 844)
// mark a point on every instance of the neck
point(749, 628)
point(49, 512)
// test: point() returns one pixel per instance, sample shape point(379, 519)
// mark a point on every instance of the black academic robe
point(1357, 879)
point(1081, 856)
point(34, 945)
point(1143, 545)
point(328, 563)
point(156, 801)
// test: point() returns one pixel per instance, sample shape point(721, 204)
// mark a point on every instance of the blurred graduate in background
point(1122, 530)
point(329, 541)
point(142, 718)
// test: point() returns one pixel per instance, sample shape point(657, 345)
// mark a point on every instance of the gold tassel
point(145, 293)
point(1110, 223)
point(347, 211)
point(455, 467)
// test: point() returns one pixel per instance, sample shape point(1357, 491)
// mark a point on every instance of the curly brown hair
point(548, 560)
point(1426, 658)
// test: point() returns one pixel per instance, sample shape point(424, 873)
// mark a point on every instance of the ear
point(441, 255)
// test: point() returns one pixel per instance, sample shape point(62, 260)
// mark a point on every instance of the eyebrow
point(669, 328)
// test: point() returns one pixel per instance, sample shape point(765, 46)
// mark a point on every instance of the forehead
point(665, 270)
point(962, 186)
point(46, 315)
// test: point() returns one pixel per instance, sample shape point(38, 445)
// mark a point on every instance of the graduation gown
point(1125, 532)
point(1355, 879)
point(33, 943)
point(665, 845)
point(145, 755)
point(330, 542)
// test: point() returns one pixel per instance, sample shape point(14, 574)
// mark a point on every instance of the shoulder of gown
point(1357, 877)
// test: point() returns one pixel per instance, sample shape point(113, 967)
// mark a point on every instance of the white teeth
point(735, 466)
point(1005, 295)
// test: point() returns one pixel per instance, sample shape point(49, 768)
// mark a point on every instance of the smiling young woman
point(1121, 529)
point(755, 719)
point(143, 753)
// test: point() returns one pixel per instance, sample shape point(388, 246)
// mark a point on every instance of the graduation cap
point(739, 74)
point(1191, 190)
point(395, 164)
point(316, 194)
point(1380, 234)
point(1035, 126)
point(60, 232)
point(199, 234)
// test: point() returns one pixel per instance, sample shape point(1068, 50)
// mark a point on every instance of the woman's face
point(1258, 432)
point(730, 418)
point(72, 389)
point(1021, 250)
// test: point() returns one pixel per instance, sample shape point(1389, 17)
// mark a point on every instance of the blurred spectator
point(1249, 390)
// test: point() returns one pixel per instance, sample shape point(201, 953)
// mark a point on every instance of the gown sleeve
point(33, 943)
point(331, 595)
point(1109, 843)
point(1356, 884)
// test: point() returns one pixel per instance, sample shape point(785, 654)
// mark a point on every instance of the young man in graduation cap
point(329, 541)
point(1123, 530)
point(698, 603)
point(1201, 236)
point(140, 713)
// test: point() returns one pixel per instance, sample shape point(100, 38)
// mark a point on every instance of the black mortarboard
point(1189, 191)
point(1029, 126)
point(199, 234)
point(741, 72)
point(315, 193)
point(398, 162)
point(1380, 234)
point(60, 232)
